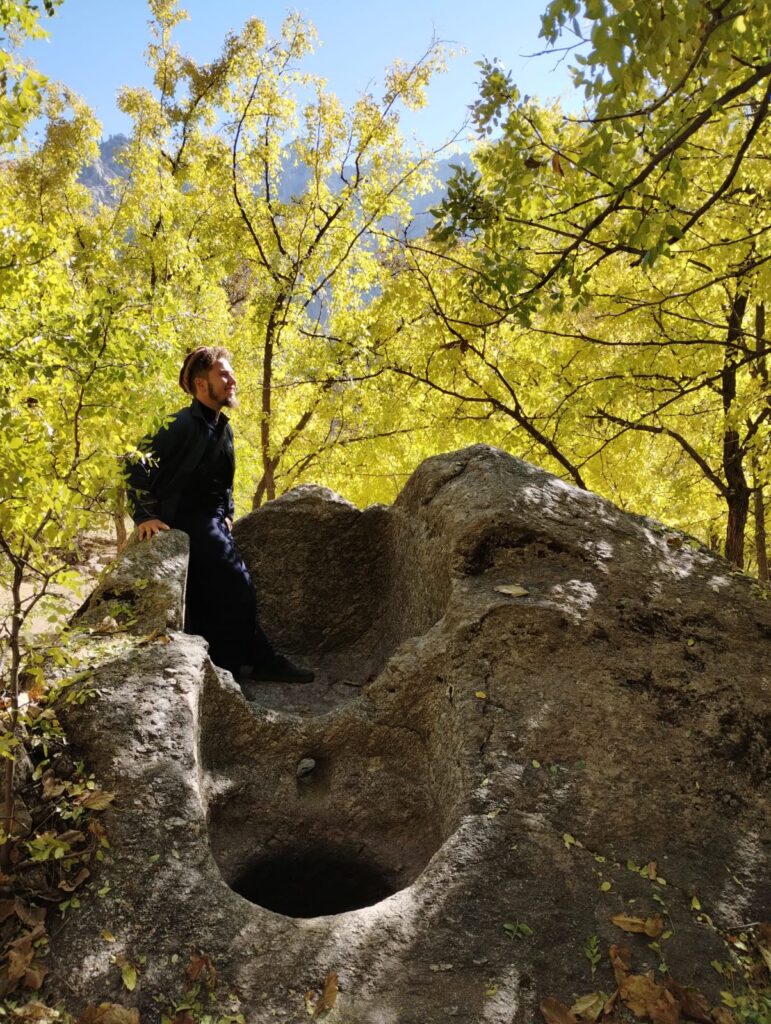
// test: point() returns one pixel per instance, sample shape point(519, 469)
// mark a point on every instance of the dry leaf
point(72, 837)
point(72, 884)
point(328, 995)
point(692, 1004)
point(183, 1018)
point(666, 1010)
point(655, 926)
point(589, 1007)
point(650, 926)
point(610, 1004)
point(555, 1012)
point(34, 975)
point(199, 965)
point(7, 907)
point(763, 942)
point(52, 787)
point(34, 1011)
point(109, 1013)
point(96, 800)
point(556, 165)
point(766, 954)
point(31, 916)
point(722, 1015)
point(620, 961)
point(647, 999)
point(512, 589)
point(20, 956)
point(651, 869)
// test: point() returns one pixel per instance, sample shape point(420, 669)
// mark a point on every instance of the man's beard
point(230, 401)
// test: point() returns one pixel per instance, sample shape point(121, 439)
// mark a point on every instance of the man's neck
point(210, 404)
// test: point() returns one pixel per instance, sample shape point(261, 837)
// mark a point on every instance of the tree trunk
point(761, 539)
point(733, 451)
point(9, 803)
point(119, 519)
point(266, 489)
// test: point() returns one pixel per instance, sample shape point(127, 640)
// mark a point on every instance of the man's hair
point(198, 363)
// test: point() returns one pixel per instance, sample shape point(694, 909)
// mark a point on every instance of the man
point(185, 482)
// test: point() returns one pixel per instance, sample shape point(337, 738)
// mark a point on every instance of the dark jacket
point(156, 481)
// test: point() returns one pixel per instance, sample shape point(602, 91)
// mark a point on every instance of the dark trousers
point(221, 602)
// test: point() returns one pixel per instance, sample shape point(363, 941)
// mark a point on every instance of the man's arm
point(142, 475)
point(150, 527)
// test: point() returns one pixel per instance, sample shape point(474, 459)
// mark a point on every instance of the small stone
point(305, 767)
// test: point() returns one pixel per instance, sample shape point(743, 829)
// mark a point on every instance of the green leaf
point(129, 974)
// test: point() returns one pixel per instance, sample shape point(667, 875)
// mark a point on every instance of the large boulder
point(533, 712)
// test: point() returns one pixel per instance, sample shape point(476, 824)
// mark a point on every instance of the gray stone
point(482, 757)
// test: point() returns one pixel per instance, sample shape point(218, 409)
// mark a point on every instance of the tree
point(282, 206)
point(646, 216)
point(21, 87)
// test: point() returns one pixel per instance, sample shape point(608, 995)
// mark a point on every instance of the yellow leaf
point(589, 1007)
point(512, 590)
point(129, 974)
point(107, 936)
point(480, 694)
point(108, 1013)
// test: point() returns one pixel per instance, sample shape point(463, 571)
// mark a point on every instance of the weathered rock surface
point(505, 664)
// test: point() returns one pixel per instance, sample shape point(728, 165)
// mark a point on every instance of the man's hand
point(150, 527)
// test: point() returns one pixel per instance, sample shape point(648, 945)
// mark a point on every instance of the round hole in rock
point(312, 884)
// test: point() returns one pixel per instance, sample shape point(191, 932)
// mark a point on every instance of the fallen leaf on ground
point(109, 1013)
point(650, 926)
point(722, 1015)
point(651, 869)
point(692, 1004)
point(52, 787)
point(20, 956)
point(328, 995)
point(34, 1011)
point(34, 975)
point(589, 1007)
point(763, 941)
point(128, 973)
point(72, 837)
point(31, 916)
point(70, 885)
point(7, 907)
point(647, 999)
point(96, 800)
point(201, 965)
point(620, 961)
point(555, 1012)
point(512, 590)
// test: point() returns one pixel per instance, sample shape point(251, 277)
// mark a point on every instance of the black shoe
point(278, 670)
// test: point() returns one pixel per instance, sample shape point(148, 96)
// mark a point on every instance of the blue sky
point(96, 46)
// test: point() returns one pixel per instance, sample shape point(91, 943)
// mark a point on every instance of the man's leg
point(221, 602)
point(222, 607)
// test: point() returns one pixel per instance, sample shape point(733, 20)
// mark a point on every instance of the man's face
point(221, 385)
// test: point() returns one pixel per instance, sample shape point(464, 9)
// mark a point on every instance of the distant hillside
point(99, 178)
